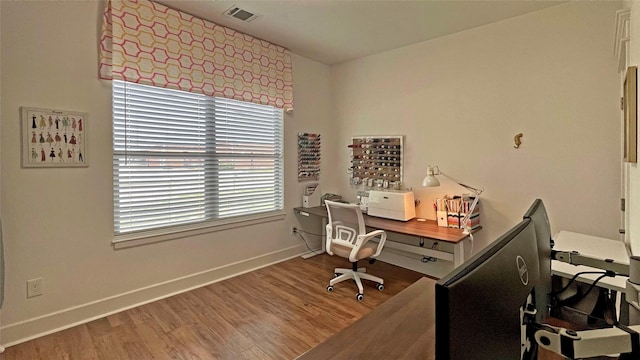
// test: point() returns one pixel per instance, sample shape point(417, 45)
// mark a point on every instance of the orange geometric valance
point(148, 43)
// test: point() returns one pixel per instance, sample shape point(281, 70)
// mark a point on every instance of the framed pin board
point(53, 138)
point(376, 161)
point(630, 108)
point(308, 156)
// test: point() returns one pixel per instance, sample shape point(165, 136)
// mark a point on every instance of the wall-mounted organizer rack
point(308, 156)
point(376, 161)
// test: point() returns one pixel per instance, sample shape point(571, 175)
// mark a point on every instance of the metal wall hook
point(517, 140)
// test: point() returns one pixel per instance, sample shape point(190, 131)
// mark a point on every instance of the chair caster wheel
point(336, 275)
point(330, 288)
point(380, 287)
point(359, 297)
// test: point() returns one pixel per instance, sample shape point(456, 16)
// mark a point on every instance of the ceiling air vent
point(241, 14)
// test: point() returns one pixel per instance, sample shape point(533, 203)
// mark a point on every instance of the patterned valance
point(148, 43)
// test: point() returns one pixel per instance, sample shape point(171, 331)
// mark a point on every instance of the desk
point(596, 247)
point(418, 237)
point(599, 248)
point(403, 327)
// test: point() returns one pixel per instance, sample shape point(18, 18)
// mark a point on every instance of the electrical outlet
point(34, 287)
point(293, 230)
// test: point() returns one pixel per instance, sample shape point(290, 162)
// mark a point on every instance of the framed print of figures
point(53, 138)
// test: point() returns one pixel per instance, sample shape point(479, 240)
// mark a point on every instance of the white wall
point(59, 222)
point(460, 99)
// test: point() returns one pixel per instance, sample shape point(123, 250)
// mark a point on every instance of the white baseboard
point(29, 329)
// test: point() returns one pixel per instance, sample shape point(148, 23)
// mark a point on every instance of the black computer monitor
point(478, 304)
point(538, 215)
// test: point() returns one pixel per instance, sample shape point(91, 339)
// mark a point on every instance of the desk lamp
point(431, 181)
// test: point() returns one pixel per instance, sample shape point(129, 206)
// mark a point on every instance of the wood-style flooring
point(277, 312)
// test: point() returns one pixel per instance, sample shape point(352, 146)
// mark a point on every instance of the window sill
point(177, 232)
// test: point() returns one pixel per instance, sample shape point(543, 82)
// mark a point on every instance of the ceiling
point(336, 31)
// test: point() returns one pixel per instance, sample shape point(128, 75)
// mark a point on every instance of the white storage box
point(396, 205)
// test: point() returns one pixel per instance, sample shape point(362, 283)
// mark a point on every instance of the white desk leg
point(323, 241)
point(458, 254)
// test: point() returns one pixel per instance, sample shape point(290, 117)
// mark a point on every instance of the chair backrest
point(346, 221)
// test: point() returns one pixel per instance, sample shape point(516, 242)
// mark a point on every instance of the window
point(181, 158)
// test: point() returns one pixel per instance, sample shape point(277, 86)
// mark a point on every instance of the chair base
point(357, 275)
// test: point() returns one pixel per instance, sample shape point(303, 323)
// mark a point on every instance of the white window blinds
point(180, 158)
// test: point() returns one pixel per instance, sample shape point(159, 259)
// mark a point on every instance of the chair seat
point(365, 251)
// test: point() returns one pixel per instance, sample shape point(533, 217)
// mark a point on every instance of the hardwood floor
point(277, 312)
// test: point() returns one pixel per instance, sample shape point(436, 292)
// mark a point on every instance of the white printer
point(396, 205)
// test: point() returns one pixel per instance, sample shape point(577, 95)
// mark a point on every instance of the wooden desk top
point(426, 229)
point(403, 327)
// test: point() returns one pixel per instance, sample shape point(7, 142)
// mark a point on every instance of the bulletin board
point(630, 108)
point(308, 156)
point(376, 161)
point(53, 138)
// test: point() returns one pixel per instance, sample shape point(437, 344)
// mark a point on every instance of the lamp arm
point(468, 187)
point(472, 189)
point(467, 216)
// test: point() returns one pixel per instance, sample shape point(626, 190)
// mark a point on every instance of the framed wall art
point(630, 109)
point(53, 138)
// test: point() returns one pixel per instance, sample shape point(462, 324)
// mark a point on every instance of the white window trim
point(139, 238)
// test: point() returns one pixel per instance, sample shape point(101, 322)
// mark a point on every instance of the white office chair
point(347, 237)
